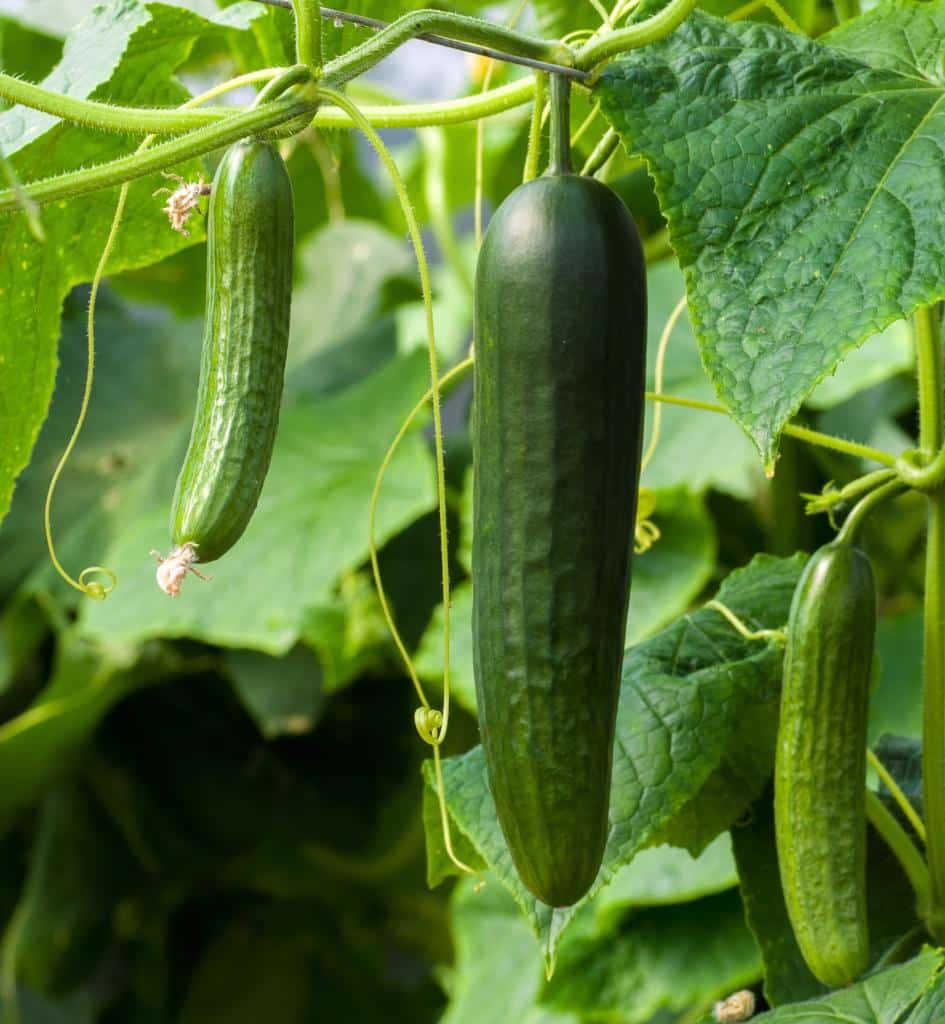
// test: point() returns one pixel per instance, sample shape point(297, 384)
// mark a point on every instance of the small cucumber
point(820, 762)
point(249, 289)
point(560, 333)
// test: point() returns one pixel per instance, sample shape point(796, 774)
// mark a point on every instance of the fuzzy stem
point(127, 168)
point(308, 33)
point(560, 149)
point(93, 114)
point(454, 26)
point(601, 49)
point(897, 839)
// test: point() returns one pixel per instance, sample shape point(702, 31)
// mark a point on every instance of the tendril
point(739, 626)
point(433, 733)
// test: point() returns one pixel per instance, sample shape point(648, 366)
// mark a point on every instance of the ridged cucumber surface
point(820, 764)
point(560, 335)
point(249, 288)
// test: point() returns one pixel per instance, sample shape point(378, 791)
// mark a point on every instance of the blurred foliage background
point(211, 807)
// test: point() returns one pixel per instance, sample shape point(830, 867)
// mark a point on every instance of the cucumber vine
point(308, 94)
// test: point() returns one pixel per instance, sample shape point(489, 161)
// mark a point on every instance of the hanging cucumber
point(560, 334)
point(249, 289)
point(820, 762)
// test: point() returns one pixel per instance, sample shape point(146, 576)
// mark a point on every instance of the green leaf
point(931, 1007)
point(79, 870)
point(284, 695)
point(497, 976)
point(673, 572)
point(692, 442)
point(896, 704)
point(883, 356)
point(115, 448)
point(35, 746)
point(25, 51)
point(799, 181)
point(245, 973)
point(673, 958)
point(690, 698)
point(126, 53)
point(880, 999)
point(665, 875)
point(310, 527)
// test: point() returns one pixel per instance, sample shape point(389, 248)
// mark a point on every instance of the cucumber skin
point(820, 762)
point(249, 290)
point(560, 334)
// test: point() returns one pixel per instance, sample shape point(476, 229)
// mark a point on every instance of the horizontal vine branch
point(92, 114)
point(127, 168)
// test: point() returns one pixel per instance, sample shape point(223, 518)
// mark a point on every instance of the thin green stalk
point(643, 33)
point(458, 111)
point(127, 168)
point(930, 385)
point(861, 511)
point(454, 26)
point(559, 161)
point(126, 120)
point(435, 179)
point(533, 153)
point(601, 153)
point(272, 90)
point(897, 839)
point(902, 801)
point(837, 444)
point(308, 33)
point(24, 202)
point(846, 9)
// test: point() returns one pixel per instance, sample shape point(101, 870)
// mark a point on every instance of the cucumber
point(560, 334)
point(820, 762)
point(249, 289)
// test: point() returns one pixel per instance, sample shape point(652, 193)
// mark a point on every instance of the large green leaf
point(800, 183)
point(126, 53)
point(311, 524)
point(692, 699)
point(497, 977)
point(667, 959)
point(691, 441)
point(881, 999)
point(88, 678)
point(665, 875)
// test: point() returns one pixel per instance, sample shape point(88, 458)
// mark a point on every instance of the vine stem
point(897, 839)
point(902, 801)
point(308, 34)
point(432, 725)
point(667, 20)
point(930, 386)
point(837, 444)
point(853, 523)
point(137, 165)
point(454, 26)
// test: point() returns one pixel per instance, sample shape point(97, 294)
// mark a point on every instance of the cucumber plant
point(760, 140)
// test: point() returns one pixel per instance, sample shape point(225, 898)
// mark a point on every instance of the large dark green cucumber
point(249, 288)
point(560, 334)
point(820, 763)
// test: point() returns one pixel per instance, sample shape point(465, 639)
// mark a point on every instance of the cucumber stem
point(560, 157)
point(929, 361)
